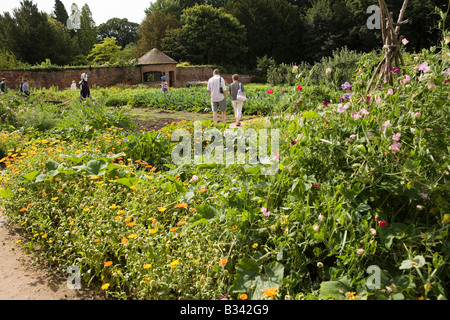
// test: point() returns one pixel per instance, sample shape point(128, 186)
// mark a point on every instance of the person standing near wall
point(25, 87)
point(217, 91)
point(73, 87)
point(3, 87)
point(84, 92)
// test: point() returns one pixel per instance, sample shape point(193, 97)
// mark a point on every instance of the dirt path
point(20, 280)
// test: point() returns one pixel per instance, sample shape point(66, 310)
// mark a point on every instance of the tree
point(171, 7)
point(208, 35)
point(87, 35)
point(122, 30)
point(60, 12)
point(104, 52)
point(273, 28)
point(153, 30)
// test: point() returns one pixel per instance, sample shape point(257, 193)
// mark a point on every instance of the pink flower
point(265, 212)
point(386, 124)
point(424, 196)
point(417, 115)
point(390, 91)
point(320, 217)
point(325, 104)
point(364, 112)
point(224, 298)
point(270, 91)
point(378, 100)
point(353, 136)
point(407, 79)
point(373, 231)
point(194, 178)
point(419, 207)
point(328, 71)
point(431, 85)
point(356, 116)
point(382, 223)
point(234, 181)
point(315, 185)
point(299, 88)
point(423, 67)
point(397, 137)
point(300, 137)
point(316, 228)
point(360, 251)
point(395, 147)
point(276, 155)
point(405, 41)
point(340, 108)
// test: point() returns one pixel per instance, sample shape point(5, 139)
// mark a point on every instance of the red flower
point(299, 88)
point(382, 223)
point(446, 81)
point(325, 104)
point(300, 102)
point(270, 91)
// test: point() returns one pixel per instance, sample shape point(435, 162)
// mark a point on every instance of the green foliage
point(207, 35)
point(104, 52)
point(124, 31)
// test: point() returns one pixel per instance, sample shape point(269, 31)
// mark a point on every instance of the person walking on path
point(233, 90)
point(25, 87)
point(217, 91)
point(3, 86)
point(84, 92)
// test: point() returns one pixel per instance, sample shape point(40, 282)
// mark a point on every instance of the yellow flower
point(105, 286)
point(21, 189)
point(132, 224)
point(86, 209)
point(234, 227)
point(128, 219)
point(255, 245)
point(243, 296)
point(147, 266)
point(71, 223)
point(114, 206)
point(270, 292)
point(421, 298)
point(196, 261)
point(153, 231)
point(132, 236)
point(18, 241)
point(120, 212)
point(174, 263)
point(55, 198)
point(133, 188)
point(162, 209)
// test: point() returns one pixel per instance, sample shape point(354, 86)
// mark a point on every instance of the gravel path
point(20, 280)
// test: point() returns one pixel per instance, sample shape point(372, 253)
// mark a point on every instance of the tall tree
point(122, 30)
point(153, 30)
point(172, 7)
point(87, 35)
point(208, 35)
point(273, 28)
point(60, 12)
point(104, 52)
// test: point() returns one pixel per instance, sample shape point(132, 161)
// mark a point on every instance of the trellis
point(391, 44)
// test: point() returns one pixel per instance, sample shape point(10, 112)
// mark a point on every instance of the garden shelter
point(154, 65)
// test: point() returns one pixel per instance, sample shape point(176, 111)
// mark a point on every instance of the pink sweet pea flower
point(395, 147)
point(390, 91)
point(397, 137)
point(405, 41)
point(423, 67)
point(265, 212)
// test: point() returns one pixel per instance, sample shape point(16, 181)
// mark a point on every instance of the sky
point(102, 10)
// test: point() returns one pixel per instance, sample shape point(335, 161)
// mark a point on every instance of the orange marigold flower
point(174, 229)
point(234, 227)
point(243, 296)
point(270, 292)
point(181, 223)
point(108, 263)
point(124, 240)
point(202, 190)
point(223, 261)
point(132, 224)
point(181, 205)
point(23, 209)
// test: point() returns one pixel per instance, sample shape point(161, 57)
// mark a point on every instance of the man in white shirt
point(217, 91)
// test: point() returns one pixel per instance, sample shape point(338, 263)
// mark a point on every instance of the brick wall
point(105, 77)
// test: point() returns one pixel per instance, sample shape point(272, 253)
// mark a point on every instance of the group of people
point(218, 92)
point(24, 87)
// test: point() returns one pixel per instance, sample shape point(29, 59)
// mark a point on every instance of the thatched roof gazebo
point(154, 65)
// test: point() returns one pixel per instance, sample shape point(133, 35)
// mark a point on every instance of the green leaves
point(416, 262)
point(248, 277)
point(335, 289)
